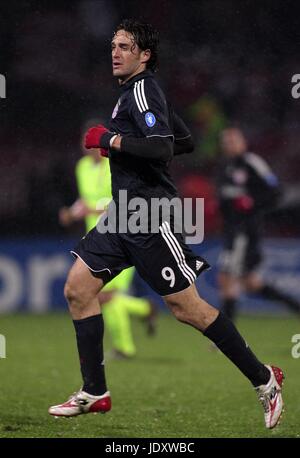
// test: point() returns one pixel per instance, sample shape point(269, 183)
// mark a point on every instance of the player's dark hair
point(145, 36)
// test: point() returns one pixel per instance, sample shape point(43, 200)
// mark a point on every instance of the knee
point(178, 310)
point(252, 285)
point(197, 312)
point(69, 292)
point(75, 295)
point(228, 285)
point(181, 315)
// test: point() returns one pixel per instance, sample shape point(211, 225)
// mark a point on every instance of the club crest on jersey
point(150, 119)
point(240, 176)
point(116, 109)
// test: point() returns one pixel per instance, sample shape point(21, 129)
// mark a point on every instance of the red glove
point(97, 137)
point(104, 152)
point(243, 203)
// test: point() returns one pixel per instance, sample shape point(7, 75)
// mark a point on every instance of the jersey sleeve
point(265, 188)
point(82, 182)
point(183, 142)
point(149, 110)
point(181, 131)
point(262, 170)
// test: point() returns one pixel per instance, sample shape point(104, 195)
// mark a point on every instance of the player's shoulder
point(146, 92)
point(152, 87)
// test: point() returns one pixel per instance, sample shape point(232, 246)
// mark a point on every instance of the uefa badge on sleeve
point(150, 119)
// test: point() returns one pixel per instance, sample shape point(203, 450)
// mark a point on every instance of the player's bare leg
point(253, 283)
point(81, 292)
point(189, 308)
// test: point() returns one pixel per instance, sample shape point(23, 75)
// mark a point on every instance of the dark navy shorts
point(162, 259)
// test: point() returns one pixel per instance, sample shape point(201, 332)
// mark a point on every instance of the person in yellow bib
point(94, 188)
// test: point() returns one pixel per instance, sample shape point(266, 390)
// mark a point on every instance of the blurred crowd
point(220, 63)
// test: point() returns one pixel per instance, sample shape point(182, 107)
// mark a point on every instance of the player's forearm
point(268, 199)
point(149, 147)
point(183, 146)
point(183, 142)
point(95, 211)
point(79, 210)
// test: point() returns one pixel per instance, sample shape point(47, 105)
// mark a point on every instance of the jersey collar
point(139, 76)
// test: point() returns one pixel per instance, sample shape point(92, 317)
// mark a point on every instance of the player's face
point(233, 142)
point(127, 58)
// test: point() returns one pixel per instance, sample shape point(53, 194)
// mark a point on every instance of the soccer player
point(94, 187)
point(144, 135)
point(247, 189)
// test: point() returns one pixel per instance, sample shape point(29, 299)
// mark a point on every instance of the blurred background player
point(247, 190)
point(94, 187)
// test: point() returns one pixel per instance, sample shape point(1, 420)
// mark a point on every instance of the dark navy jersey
point(246, 175)
point(141, 111)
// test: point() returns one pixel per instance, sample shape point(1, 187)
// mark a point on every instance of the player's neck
point(132, 75)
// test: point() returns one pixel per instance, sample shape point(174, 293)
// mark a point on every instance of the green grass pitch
point(176, 387)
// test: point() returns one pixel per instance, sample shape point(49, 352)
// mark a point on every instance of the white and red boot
point(271, 398)
point(80, 403)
